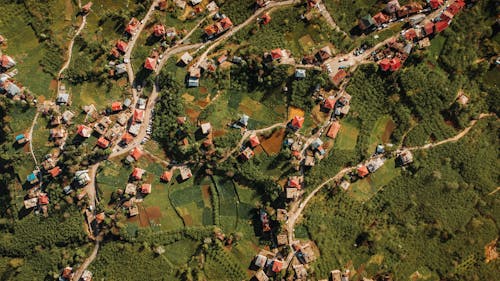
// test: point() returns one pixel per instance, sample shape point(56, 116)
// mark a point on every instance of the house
point(130, 189)
point(362, 171)
point(159, 30)
point(309, 161)
point(329, 103)
point(366, 22)
point(150, 63)
point(55, 120)
point(292, 193)
point(102, 142)
point(141, 103)
point(166, 176)
point(82, 177)
point(375, 164)
point(405, 158)
point(410, 34)
point(195, 2)
point(205, 128)
point(395, 64)
point(297, 122)
point(244, 120)
point(146, 188)
point(440, 26)
point(324, 53)
point(84, 131)
point(344, 185)
point(33, 177)
point(21, 139)
point(136, 153)
point(265, 19)
point(384, 64)
point(138, 116)
point(62, 98)
point(237, 60)
point(409, 9)
point(67, 273)
point(120, 69)
point(54, 172)
point(102, 125)
point(7, 62)
point(424, 43)
point(277, 266)
point(247, 154)
point(276, 54)
point(416, 19)
point(132, 26)
point(212, 7)
point(254, 141)
point(295, 182)
point(137, 173)
point(11, 89)
point(116, 106)
point(260, 261)
point(127, 138)
point(186, 58)
point(67, 116)
point(281, 239)
point(185, 173)
point(43, 199)
point(335, 275)
point(30, 203)
point(194, 78)
point(170, 32)
point(260, 275)
point(134, 129)
point(380, 149)
point(127, 102)
point(392, 7)
point(435, 3)
point(338, 77)
point(316, 143)
point(222, 59)
point(57, 133)
point(446, 16)
point(86, 8)
point(133, 211)
point(300, 73)
point(333, 130)
point(121, 46)
point(380, 18)
point(428, 28)
point(462, 99)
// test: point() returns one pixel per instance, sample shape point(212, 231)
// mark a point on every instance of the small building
point(116, 106)
point(297, 122)
point(141, 103)
point(276, 54)
point(260, 261)
point(429, 28)
point(84, 131)
point(121, 46)
point(316, 143)
point(300, 73)
point(281, 214)
point(300, 272)
point(136, 153)
point(339, 77)
point(329, 103)
point(21, 139)
point(324, 53)
point(277, 266)
point(416, 19)
point(32, 178)
point(30, 203)
point(166, 176)
point(138, 116)
point(150, 63)
point(54, 172)
point(380, 149)
point(254, 141)
point(130, 189)
point(127, 138)
point(335, 275)
point(43, 199)
point(127, 103)
point(424, 43)
point(260, 275)
point(247, 154)
point(137, 173)
point(206, 128)
point(146, 188)
point(309, 161)
point(134, 129)
point(159, 30)
point(195, 2)
point(193, 82)
point(185, 173)
point(67, 116)
point(405, 157)
point(366, 22)
point(380, 18)
point(186, 58)
point(82, 177)
point(344, 185)
point(265, 19)
point(62, 98)
point(375, 164)
point(463, 99)
point(333, 130)
point(362, 171)
point(295, 182)
point(281, 239)
point(102, 125)
point(103, 142)
point(7, 62)
point(133, 211)
point(292, 193)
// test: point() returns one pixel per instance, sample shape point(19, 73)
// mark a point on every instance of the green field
point(190, 203)
point(380, 132)
point(347, 137)
point(364, 189)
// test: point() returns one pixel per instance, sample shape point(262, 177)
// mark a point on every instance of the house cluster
point(392, 11)
point(208, 66)
point(248, 149)
point(267, 264)
point(197, 6)
point(396, 52)
point(304, 255)
point(222, 24)
point(8, 86)
point(337, 275)
point(68, 273)
point(319, 57)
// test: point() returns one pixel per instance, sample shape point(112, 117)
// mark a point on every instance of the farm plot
point(364, 189)
point(273, 144)
point(228, 204)
point(192, 205)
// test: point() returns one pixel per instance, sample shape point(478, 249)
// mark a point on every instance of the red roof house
point(138, 116)
point(294, 182)
point(446, 15)
point(116, 106)
point(127, 138)
point(43, 199)
point(363, 171)
point(102, 142)
point(440, 26)
point(429, 28)
point(136, 153)
point(333, 130)
point(329, 103)
point(276, 54)
point(7, 62)
point(137, 173)
point(54, 172)
point(455, 7)
point(381, 18)
point(254, 140)
point(266, 18)
point(226, 23)
point(122, 46)
point(339, 76)
point(150, 63)
point(130, 29)
point(435, 3)
point(166, 176)
point(159, 30)
point(385, 64)
point(395, 64)
point(297, 122)
point(410, 34)
point(84, 131)
point(277, 266)
point(146, 188)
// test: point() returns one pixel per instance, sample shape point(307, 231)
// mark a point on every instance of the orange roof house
point(100, 217)
point(7, 62)
point(440, 26)
point(226, 23)
point(211, 30)
point(138, 115)
point(339, 76)
point(363, 171)
point(294, 182)
point(116, 106)
point(276, 54)
point(380, 18)
point(266, 18)
point(329, 103)
point(150, 63)
point(410, 34)
point(43, 199)
point(395, 64)
point(54, 172)
point(435, 3)
point(122, 46)
point(429, 28)
point(102, 142)
point(254, 140)
point(84, 131)
point(277, 266)
point(127, 138)
point(130, 29)
point(146, 188)
point(137, 173)
point(166, 176)
point(297, 122)
point(333, 130)
point(159, 30)
point(136, 153)
point(384, 64)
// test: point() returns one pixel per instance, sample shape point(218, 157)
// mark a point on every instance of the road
point(326, 15)
point(78, 273)
point(91, 188)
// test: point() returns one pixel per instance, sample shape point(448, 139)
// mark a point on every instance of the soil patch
point(188, 97)
point(153, 212)
point(53, 85)
point(389, 128)
point(193, 114)
point(203, 90)
point(205, 191)
point(218, 133)
point(294, 111)
point(188, 220)
point(272, 145)
point(202, 103)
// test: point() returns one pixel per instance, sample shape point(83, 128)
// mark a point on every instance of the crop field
point(364, 189)
point(347, 137)
point(381, 132)
point(228, 206)
point(273, 144)
point(191, 204)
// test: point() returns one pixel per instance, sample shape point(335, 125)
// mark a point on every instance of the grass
point(381, 132)
point(437, 44)
point(228, 204)
point(101, 96)
point(347, 137)
point(364, 189)
point(180, 252)
point(189, 202)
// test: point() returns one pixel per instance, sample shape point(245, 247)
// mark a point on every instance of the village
point(125, 126)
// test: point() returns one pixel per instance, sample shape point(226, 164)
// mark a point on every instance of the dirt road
point(86, 263)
